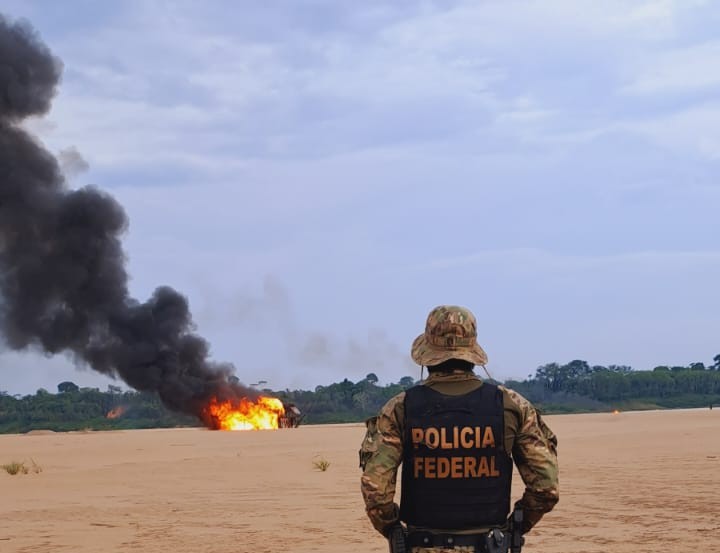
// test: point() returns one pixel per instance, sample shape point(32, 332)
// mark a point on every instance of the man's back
point(526, 436)
point(456, 438)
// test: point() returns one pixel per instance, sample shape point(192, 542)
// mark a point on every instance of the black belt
point(429, 539)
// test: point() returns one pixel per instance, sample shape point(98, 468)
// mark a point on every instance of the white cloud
point(678, 70)
point(334, 145)
point(693, 131)
point(592, 262)
point(178, 85)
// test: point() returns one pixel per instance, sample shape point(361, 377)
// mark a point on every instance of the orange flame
point(116, 412)
point(264, 413)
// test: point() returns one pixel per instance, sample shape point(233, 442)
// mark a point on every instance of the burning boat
point(261, 413)
point(292, 416)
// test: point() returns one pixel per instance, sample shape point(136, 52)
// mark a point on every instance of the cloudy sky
point(316, 175)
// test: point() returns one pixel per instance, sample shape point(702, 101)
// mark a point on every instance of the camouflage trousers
point(456, 549)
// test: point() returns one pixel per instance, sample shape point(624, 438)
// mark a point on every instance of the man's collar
point(457, 375)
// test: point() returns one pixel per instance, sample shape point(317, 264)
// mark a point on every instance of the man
point(456, 437)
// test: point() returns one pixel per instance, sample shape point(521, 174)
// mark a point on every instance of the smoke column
point(63, 285)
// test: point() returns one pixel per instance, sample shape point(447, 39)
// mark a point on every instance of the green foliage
point(342, 401)
point(559, 388)
point(86, 408)
point(615, 383)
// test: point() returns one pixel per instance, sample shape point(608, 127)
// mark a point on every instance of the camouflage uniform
point(451, 334)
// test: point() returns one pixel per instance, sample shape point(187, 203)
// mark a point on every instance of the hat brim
point(427, 355)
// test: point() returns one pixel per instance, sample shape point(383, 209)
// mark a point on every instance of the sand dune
point(632, 482)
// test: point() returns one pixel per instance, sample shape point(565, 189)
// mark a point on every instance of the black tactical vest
point(456, 473)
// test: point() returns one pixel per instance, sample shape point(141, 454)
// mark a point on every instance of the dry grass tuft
point(321, 464)
point(16, 467)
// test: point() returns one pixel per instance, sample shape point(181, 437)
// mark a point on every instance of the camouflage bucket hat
point(450, 333)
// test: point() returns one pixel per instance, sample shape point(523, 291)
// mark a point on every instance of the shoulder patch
point(371, 441)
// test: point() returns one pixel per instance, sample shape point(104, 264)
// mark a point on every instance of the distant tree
point(697, 366)
point(622, 369)
point(407, 381)
point(552, 375)
point(661, 368)
point(114, 389)
point(577, 368)
point(67, 386)
point(372, 378)
point(716, 366)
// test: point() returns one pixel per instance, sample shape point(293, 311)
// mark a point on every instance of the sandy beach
point(630, 482)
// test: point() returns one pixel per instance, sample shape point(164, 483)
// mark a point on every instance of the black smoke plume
point(63, 285)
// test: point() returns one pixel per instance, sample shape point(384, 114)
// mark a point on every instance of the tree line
point(618, 383)
point(554, 388)
point(74, 408)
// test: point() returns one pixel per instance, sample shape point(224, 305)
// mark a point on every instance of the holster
point(516, 538)
point(397, 539)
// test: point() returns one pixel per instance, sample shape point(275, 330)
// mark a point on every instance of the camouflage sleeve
point(535, 454)
point(380, 472)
